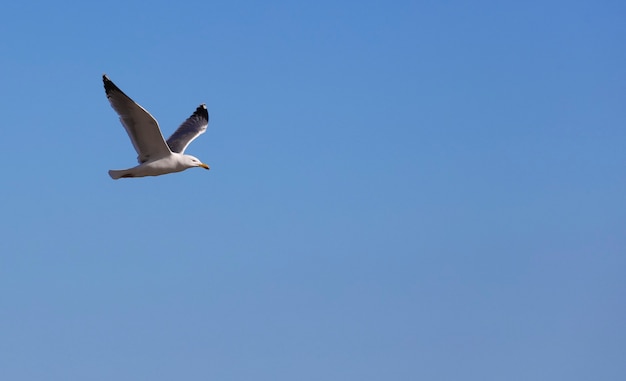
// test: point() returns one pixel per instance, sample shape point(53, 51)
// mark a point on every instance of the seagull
point(156, 155)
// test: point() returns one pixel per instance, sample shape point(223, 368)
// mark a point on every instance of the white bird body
point(175, 162)
point(156, 156)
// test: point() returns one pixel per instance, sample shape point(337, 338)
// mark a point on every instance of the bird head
point(194, 162)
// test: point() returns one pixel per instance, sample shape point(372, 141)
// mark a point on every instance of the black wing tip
point(106, 80)
point(202, 112)
point(109, 85)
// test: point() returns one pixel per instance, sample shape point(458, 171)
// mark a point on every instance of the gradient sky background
point(399, 191)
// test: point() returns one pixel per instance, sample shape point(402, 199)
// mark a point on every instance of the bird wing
point(194, 126)
point(143, 130)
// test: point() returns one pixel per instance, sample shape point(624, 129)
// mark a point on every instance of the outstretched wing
point(194, 126)
point(143, 130)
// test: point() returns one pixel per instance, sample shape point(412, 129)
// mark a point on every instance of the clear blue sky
point(399, 190)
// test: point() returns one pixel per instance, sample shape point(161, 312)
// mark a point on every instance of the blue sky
point(400, 191)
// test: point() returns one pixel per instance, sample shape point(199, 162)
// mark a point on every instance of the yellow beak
point(203, 166)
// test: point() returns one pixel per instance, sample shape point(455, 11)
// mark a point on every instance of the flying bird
point(156, 155)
